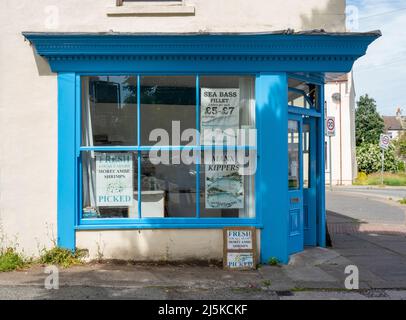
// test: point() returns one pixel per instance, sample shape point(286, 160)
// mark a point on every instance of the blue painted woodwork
point(269, 57)
point(310, 193)
point(272, 184)
point(320, 180)
point(67, 182)
point(199, 53)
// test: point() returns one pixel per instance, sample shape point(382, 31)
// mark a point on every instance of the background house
point(395, 125)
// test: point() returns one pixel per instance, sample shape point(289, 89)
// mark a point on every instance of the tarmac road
point(371, 205)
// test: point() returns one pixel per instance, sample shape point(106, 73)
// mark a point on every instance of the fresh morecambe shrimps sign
point(114, 179)
point(239, 239)
point(239, 248)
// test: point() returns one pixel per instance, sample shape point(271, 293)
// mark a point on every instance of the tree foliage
point(369, 124)
point(369, 158)
point(400, 144)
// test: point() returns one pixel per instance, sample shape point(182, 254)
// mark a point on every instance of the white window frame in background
point(151, 8)
point(120, 3)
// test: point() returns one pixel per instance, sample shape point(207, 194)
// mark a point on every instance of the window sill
point(130, 226)
point(151, 10)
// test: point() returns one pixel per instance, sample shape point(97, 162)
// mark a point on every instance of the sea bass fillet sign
point(220, 110)
point(114, 179)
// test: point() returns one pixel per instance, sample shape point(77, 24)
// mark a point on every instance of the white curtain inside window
point(88, 163)
point(247, 116)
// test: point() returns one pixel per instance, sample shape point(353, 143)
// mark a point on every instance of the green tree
point(369, 124)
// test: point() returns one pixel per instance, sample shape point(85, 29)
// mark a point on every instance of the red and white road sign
point(330, 126)
point(384, 141)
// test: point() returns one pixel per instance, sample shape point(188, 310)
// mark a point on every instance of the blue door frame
point(310, 191)
point(268, 56)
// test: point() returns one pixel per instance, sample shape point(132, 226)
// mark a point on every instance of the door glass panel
point(293, 149)
point(306, 155)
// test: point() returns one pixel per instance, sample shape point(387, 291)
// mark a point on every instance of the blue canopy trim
point(269, 52)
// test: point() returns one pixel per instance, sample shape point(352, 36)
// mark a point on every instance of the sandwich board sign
point(384, 141)
point(239, 248)
point(330, 126)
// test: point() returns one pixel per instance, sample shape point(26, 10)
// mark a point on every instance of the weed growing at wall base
point(11, 260)
point(62, 257)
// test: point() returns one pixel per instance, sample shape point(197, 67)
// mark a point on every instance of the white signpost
point(330, 132)
point(384, 143)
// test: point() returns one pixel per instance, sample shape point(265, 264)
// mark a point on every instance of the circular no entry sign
point(331, 126)
point(384, 141)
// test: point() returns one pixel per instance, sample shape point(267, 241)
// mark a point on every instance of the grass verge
point(374, 179)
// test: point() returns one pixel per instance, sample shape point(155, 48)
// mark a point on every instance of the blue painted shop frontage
point(126, 100)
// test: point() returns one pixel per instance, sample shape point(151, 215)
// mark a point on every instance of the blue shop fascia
point(116, 89)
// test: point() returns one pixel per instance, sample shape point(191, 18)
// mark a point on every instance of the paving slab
point(396, 294)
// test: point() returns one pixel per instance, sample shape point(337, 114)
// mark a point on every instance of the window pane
point(167, 103)
point(109, 185)
point(306, 155)
point(167, 190)
point(226, 102)
point(224, 191)
point(293, 149)
point(302, 94)
point(109, 110)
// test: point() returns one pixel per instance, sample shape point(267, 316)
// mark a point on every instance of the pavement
point(377, 249)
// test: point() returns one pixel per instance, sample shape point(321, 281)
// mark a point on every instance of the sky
point(382, 72)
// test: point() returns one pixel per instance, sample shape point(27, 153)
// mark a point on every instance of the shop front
point(171, 138)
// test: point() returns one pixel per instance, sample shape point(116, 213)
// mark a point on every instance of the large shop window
point(167, 147)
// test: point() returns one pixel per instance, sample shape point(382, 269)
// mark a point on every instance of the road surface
point(378, 205)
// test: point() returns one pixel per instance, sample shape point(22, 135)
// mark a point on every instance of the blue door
point(309, 158)
point(295, 176)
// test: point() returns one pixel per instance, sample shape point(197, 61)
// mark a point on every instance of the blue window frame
point(138, 148)
point(303, 93)
point(305, 101)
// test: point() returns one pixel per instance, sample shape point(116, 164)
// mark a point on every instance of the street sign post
point(384, 143)
point(330, 132)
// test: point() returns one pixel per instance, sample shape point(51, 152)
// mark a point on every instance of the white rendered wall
point(155, 245)
point(28, 100)
point(344, 167)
